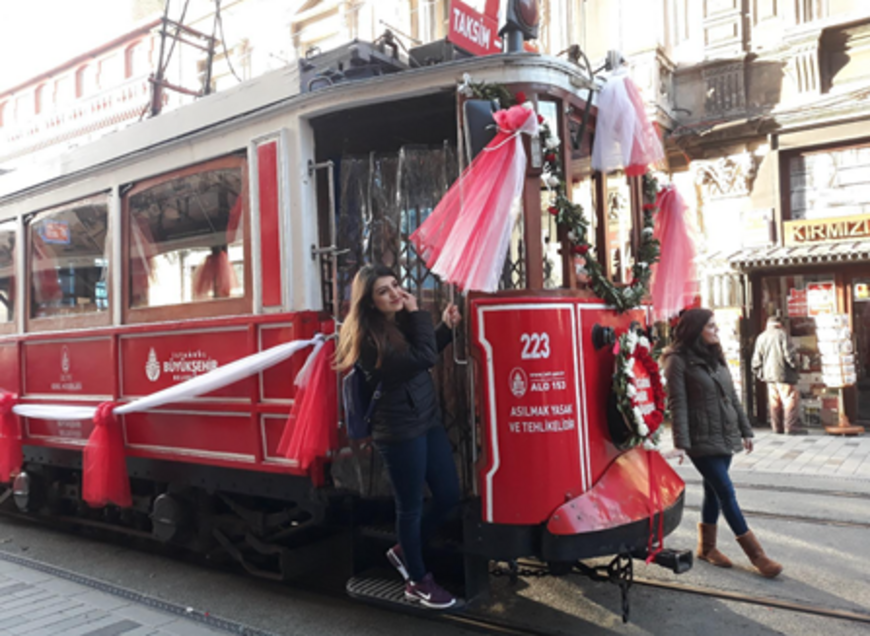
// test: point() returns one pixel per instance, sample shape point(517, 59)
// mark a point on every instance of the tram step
point(385, 588)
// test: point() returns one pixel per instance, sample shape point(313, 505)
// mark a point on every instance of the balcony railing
point(105, 110)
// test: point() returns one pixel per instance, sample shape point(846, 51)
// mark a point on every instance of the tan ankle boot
point(707, 550)
point(764, 564)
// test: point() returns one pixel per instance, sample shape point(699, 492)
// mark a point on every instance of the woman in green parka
point(709, 424)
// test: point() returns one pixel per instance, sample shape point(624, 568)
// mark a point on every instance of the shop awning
point(795, 255)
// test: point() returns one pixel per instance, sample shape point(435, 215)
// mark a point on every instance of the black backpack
point(359, 403)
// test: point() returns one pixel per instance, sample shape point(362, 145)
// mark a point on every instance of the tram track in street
point(796, 518)
point(792, 490)
point(470, 620)
point(739, 597)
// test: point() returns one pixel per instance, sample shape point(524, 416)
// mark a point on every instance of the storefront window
point(7, 271)
point(186, 239)
point(803, 302)
point(69, 259)
point(830, 183)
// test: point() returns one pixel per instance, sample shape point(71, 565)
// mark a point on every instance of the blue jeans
point(411, 463)
point(719, 492)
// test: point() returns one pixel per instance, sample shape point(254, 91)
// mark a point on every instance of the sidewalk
point(39, 600)
point(816, 454)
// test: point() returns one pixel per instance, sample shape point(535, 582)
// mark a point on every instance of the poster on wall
point(821, 298)
point(797, 303)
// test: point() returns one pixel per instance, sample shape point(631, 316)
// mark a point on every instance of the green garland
point(570, 215)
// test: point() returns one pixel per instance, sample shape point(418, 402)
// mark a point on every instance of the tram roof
point(271, 94)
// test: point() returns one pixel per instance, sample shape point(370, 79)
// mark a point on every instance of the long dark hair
point(366, 322)
point(688, 339)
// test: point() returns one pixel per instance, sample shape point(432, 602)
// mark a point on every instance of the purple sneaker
point(397, 560)
point(429, 593)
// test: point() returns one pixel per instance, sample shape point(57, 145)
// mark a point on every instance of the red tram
point(235, 224)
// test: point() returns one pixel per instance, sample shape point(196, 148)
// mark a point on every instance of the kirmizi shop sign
point(827, 230)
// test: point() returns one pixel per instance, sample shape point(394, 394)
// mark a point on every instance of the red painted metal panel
point(70, 367)
point(224, 437)
point(154, 362)
point(60, 432)
point(545, 391)
point(270, 223)
point(534, 437)
point(212, 432)
point(273, 428)
point(9, 371)
point(621, 496)
point(277, 382)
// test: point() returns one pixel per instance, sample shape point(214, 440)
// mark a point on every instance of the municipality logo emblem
point(519, 382)
point(152, 367)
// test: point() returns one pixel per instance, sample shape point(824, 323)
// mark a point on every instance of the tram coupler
point(677, 561)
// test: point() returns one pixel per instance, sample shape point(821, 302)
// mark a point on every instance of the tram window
point(7, 271)
point(186, 239)
point(69, 259)
point(618, 215)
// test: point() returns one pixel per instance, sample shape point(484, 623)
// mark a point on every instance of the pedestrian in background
point(709, 424)
point(774, 362)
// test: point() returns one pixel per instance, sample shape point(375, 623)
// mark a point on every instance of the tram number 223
point(536, 346)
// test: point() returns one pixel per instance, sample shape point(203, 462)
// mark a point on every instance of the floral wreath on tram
point(638, 387)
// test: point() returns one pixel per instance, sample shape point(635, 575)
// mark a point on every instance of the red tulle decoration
point(46, 287)
point(105, 479)
point(10, 438)
point(215, 278)
point(465, 239)
point(624, 137)
point(312, 427)
point(674, 274)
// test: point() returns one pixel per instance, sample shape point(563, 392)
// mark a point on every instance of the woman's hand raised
point(451, 316)
point(410, 301)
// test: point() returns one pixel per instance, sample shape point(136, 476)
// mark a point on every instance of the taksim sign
point(473, 31)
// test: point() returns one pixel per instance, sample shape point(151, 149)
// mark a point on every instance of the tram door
point(380, 200)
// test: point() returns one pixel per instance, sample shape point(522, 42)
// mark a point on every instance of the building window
point(68, 259)
point(133, 60)
point(63, 90)
point(7, 271)
point(82, 82)
point(38, 99)
point(186, 238)
point(808, 10)
point(829, 183)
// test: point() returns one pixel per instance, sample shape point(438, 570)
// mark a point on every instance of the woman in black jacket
point(396, 345)
point(709, 424)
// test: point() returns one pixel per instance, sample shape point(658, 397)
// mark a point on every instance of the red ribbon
point(655, 504)
point(10, 438)
point(104, 464)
